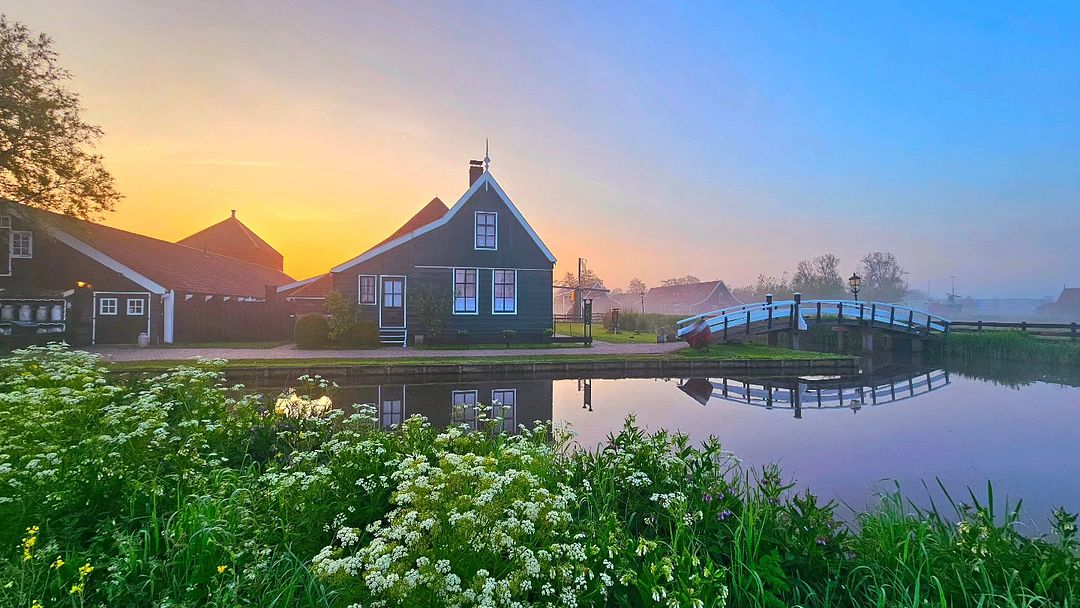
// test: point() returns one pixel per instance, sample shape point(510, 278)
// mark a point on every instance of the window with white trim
point(393, 292)
point(136, 307)
point(464, 291)
point(22, 244)
point(504, 405)
point(392, 413)
point(464, 403)
point(504, 292)
point(367, 289)
point(487, 230)
point(107, 306)
point(5, 221)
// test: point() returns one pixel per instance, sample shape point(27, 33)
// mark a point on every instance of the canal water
point(846, 438)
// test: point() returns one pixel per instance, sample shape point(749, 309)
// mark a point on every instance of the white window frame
point(475, 394)
point(374, 289)
point(29, 253)
point(476, 291)
point(494, 310)
point(5, 221)
point(115, 302)
point(142, 307)
point(386, 419)
point(509, 415)
point(476, 225)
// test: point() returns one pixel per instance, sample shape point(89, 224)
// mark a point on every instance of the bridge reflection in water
point(525, 401)
point(817, 392)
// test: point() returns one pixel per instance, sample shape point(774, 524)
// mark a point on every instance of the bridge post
point(867, 340)
point(796, 315)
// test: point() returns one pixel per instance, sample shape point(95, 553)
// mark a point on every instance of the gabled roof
point(157, 265)
point(431, 212)
point(683, 296)
point(1070, 296)
point(314, 287)
point(404, 236)
point(232, 238)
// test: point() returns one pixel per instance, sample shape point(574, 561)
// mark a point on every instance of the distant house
point(689, 299)
point(1066, 307)
point(480, 256)
point(94, 284)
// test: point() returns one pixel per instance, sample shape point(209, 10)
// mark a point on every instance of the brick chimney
point(476, 169)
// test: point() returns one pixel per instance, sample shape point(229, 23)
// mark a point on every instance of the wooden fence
point(1071, 330)
point(233, 320)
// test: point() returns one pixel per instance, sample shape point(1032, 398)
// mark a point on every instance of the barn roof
point(684, 296)
point(431, 212)
point(317, 286)
point(156, 264)
point(233, 238)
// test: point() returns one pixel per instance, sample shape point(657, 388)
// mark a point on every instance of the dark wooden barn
point(62, 277)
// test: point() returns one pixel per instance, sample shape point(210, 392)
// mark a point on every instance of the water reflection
point(817, 392)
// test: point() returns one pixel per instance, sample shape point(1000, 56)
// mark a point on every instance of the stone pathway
point(290, 351)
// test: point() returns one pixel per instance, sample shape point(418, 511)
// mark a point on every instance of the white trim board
point(484, 180)
point(295, 284)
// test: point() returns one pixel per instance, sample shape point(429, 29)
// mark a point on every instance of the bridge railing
point(765, 317)
point(827, 395)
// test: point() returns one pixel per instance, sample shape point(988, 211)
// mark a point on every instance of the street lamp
point(855, 281)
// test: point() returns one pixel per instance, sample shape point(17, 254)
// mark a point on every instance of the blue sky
point(653, 139)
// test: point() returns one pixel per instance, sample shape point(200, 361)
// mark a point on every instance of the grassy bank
point(177, 491)
point(721, 352)
point(1008, 345)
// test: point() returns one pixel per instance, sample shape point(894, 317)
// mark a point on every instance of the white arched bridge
point(737, 323)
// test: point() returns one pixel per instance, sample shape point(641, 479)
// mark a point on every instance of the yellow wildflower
point(37, 604)
point(76, 589)
point(85, 571)
point(29, 542)
point(58, 563)
point(222, 569)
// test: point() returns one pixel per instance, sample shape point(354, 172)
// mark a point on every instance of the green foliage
point(346, 325)
point(432, 305)
point(312, 331)
point(47, 157)
point(178, 490)
point(1008, 346)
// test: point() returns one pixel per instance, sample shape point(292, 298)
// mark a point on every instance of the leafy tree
point(883, 277)
point(588, 279)
point(432, 305)
point(819, 277)
point(346, 324)
point(636, 286)
point(47, 157)
point(780, 288)
point(687, 280)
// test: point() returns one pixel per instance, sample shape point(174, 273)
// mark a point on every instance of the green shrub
point(312, 331)
point(346, 325)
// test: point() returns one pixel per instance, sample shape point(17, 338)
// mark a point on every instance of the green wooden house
point(479, 258)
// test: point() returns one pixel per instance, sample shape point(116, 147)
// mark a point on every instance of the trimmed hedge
point(312, 331)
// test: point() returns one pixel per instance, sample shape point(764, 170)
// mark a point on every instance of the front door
point(392, 302)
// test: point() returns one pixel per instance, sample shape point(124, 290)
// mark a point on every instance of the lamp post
point(854, 282)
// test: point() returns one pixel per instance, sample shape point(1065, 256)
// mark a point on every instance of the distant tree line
point(883, 279)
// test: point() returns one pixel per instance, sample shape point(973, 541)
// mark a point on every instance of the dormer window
point(487, 230)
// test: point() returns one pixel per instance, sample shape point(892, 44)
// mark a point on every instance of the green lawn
point(599, 333)
point(720, 353)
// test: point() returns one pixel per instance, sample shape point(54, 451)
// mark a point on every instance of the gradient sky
point(654, 140)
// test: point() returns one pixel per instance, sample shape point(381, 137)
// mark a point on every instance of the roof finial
point(487, 155)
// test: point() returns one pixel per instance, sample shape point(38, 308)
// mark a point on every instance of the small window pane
point(107, 306)
point(504, 291)
point(465, 290)
point(22, 245)
point(486, 228)
point(367, 290)
point(136, 307)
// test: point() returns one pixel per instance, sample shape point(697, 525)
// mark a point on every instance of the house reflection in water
point(444, 403)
